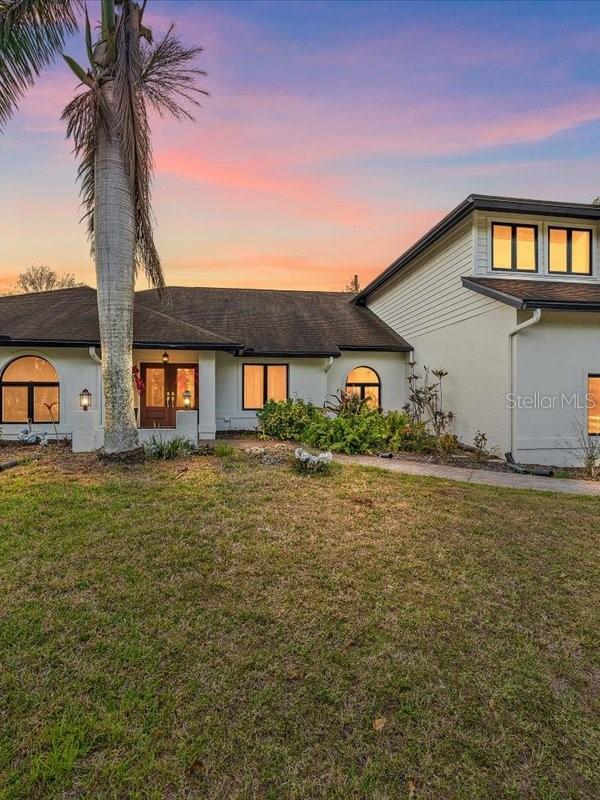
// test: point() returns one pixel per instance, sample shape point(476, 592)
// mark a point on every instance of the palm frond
point(133, 129)
point(169, 77)
point(32, 34)
point(161, 75)
point(84, 116)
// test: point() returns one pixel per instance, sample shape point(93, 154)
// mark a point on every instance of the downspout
point(533, 320)
point(95, 357)
point(326, 369)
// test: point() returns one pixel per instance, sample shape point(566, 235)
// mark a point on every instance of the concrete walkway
point(507, 480)
point(488, 477)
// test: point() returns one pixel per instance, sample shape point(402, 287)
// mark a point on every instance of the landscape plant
point(585, 450)
point(127, 74)
point(310, 463)
point(50, 408)
point(344, 404)
point(364, 432)
point(168, 449)
point(425, 399)
point(287, 419)
point(480, 446)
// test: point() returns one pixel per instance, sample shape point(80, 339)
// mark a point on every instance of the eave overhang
point(529, 302)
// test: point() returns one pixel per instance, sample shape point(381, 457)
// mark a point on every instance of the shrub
point(586, 449)
point(287, 419)
point(310, 464)
point(480, 445)
point(447, 444)
point(165, 450)
point(425, 399)
point(361, 433)
point(224, 450)
point(408, 435)
point(344, 404)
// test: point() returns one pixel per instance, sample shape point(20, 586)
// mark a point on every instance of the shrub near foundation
point(288, 419)
point(364, 432)
point(359, 433)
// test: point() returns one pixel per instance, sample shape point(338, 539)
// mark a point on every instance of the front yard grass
point(219, 628)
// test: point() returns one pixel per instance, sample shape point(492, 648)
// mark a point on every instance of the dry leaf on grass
point(379, 723)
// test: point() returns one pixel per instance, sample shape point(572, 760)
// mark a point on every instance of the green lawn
point(233, 630)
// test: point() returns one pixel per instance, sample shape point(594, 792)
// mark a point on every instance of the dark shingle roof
point(260, 321)
point(479, 202)
point(521, 293)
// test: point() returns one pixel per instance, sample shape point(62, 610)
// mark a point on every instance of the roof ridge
point(50, 291)
point(252, 289)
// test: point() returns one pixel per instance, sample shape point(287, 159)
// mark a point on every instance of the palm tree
point(108, 123)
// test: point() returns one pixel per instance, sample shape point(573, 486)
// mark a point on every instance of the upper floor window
point(29, 391)
point(569, 251)
point(263, 382)
point(514, 247)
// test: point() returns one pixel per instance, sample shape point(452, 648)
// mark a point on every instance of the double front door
point(165, 392)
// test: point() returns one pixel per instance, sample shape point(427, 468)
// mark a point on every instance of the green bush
point(366, 431)
point(405, 434)
point(362, 433)
point(288, 419)
point(165, 450)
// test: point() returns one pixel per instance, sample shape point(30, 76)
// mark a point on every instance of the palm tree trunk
point(114, 245)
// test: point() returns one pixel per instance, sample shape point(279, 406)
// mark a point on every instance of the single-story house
point(503, 293)
point(208, 358)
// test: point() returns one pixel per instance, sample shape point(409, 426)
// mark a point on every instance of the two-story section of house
point(504, 293)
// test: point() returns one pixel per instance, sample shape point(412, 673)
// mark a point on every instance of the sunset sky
point(335, 134)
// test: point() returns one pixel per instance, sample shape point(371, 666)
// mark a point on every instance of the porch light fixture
point(187, 399)
point(165, 357)
point(85, 399)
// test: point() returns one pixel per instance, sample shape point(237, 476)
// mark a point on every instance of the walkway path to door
point(487, 477)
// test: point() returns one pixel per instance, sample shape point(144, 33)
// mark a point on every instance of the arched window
point(29, 391)
point(364, 383)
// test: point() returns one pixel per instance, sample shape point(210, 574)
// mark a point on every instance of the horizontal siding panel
point(465, 313)
point(461, 306)
point(430, 295)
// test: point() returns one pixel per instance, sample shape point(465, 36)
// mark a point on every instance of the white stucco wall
point(474, 352)
point(391, 368)
point(220, 387)
point(311, 379)
point(552, 361)
point(76, 371)
point(455, 329)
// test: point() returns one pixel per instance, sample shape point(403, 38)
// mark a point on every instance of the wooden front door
point(163, 393)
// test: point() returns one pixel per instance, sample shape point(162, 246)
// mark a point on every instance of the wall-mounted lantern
point(165, 357)
point(85, 399)
point(187, 399)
